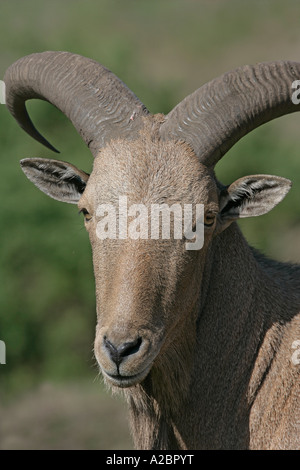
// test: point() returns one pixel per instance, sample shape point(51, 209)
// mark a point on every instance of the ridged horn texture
point(217, 115)
point(99, 104)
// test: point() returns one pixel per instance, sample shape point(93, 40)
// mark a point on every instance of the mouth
point(124, 381)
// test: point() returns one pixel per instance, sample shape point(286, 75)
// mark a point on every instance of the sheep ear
point(59, 180)
point(251, 196)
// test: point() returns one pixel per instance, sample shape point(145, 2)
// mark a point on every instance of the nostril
point(113, 352)
point(127, 349)
point(117, 353)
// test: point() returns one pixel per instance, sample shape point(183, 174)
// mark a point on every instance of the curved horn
point(218, 114)
point(99, 105)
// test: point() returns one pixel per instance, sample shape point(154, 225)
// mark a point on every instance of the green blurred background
point(51, 395)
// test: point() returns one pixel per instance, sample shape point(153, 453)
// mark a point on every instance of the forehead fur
point(149, 170)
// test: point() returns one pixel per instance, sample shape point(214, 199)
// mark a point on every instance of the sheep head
point(148, 289)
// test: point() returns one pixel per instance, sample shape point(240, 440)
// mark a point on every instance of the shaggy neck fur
point(157, 403)
point(226, 359)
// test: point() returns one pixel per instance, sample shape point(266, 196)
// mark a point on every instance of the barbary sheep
point(203, 342)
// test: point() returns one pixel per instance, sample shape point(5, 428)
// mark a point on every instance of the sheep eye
point(86, 214)
point(209, 219)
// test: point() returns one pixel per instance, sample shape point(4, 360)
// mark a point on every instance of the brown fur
point(202, 342)
point(213, 369)
point(223, 319)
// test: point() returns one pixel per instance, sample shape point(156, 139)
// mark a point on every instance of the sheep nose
point(118, 353)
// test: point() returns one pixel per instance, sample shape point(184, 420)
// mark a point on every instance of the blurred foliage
point(163, 50)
